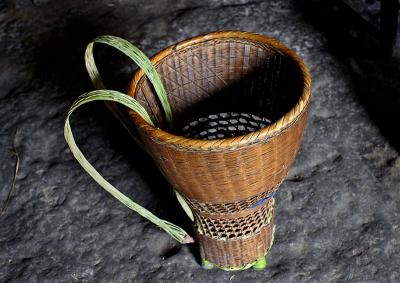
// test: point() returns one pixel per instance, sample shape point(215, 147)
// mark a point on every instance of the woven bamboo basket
point(240, 102)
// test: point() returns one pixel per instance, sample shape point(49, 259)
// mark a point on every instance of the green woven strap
point(111, 97)
point(140, 59)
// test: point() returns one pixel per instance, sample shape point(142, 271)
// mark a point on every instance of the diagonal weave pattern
point(224, 178)
point(249, 73)
point(235, 227)
point(229, 207)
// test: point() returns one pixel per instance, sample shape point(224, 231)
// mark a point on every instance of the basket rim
point(161, 136)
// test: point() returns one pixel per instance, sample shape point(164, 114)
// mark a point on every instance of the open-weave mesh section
point(223, 125)
point(237, 254)
point(235, 228)
point(230, 207)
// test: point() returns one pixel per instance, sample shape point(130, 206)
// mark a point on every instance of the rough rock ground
point(338, 212)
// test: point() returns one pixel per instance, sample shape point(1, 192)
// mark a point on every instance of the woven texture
point(235, 225)
point(223, 125)
point(236, 252)
point(229, 207)
point(240, 103)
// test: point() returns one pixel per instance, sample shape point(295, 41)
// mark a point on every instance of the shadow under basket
point(240, 103)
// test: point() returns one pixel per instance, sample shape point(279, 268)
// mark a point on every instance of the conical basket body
point(227, 182)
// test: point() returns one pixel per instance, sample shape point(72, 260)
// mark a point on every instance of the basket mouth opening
point(224, 75)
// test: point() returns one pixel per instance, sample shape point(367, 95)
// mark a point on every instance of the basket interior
point(224, 80)
point(222, 125)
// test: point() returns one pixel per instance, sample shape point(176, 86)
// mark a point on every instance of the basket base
point(206, 264)
point(237, 254)
point(260, 264)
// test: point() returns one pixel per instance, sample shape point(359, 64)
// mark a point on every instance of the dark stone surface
point(338, 213)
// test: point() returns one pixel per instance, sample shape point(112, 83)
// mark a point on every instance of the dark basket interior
point(218, 79)
point(223, 125)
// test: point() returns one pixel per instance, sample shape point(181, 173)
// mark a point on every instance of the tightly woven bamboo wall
point(226, 72)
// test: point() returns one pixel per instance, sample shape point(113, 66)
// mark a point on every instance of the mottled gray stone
point(338, 212)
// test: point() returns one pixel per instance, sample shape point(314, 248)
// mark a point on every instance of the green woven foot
point(206, 264)
point(260, 264)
